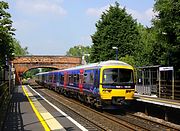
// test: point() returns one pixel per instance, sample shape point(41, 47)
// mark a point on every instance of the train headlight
point(128, 91)
point(106, 91)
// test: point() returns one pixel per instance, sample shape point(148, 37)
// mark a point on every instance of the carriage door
point(65, 79)
point(81, 80)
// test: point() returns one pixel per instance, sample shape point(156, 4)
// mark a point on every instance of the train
point(103, 84)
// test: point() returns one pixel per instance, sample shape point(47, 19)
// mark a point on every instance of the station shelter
point(157, 81)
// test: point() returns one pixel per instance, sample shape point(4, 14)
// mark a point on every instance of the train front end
point(117, 84)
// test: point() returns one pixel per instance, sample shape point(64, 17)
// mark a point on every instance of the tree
point(18, 50)
point(47, 69)
point(6, 33)
point(167, 25)
point(30, 73)
point(115, 28)
point(144, 50)
point(78, 51)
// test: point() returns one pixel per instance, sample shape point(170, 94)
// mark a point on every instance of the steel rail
point(125, 124)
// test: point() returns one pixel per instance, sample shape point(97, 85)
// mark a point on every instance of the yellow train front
point(116, 83)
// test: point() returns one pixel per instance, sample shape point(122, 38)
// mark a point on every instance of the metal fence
point(146, 80)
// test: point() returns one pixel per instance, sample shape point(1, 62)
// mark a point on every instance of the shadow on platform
point(14, 121)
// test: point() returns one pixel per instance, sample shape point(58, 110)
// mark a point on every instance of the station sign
point(166, 68)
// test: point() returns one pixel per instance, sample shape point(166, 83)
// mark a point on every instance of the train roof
point(93, 65)
point(100, 64)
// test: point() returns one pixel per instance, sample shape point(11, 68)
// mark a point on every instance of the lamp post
point(115, 48)
point(81, 54)
point(87, 57)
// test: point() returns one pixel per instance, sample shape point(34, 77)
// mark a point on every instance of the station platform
point(29, 110)
point(158, 101)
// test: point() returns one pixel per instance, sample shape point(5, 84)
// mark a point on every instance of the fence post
point(159, 83)
point(9, 79)
point(173, 84)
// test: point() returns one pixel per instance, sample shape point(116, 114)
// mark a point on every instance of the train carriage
point(101, 84)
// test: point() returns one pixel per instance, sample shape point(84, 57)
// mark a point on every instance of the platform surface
point(158, 101)
point(29, 111)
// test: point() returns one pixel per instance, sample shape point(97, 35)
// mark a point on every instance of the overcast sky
point(51, 27)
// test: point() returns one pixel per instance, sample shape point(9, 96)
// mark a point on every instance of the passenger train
point(100, 84)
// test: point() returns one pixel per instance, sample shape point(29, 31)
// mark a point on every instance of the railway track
point(105, 120)
point(162, 124)
point(148, 124)
point(91, 115)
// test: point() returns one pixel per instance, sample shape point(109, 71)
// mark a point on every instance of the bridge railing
point(4, 101)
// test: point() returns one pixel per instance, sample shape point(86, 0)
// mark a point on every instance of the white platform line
point(64, 114)
point(49, 119)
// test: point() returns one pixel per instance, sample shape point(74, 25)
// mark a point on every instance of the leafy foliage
point(128, 59)
point(78, 51)
point(167, 25)
point(47, 69)
point(6, 33)
point(18, 50)
point(144, 50)
point(115, 28)
point(30, 73)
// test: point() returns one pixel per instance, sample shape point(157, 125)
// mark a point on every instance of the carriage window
point(71, 78)
point(50, 78)
point(85, 78)
point(55, 77)
point(91, 78)
point(96, 79)
point(76, 78)
point(43, 77)
point(62, 79)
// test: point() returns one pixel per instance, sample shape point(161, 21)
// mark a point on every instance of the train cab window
point(110, 75)
point(117, 76)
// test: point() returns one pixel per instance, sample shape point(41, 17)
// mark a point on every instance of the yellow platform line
point(44, 124)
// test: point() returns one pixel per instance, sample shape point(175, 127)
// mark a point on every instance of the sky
point(52, 27)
